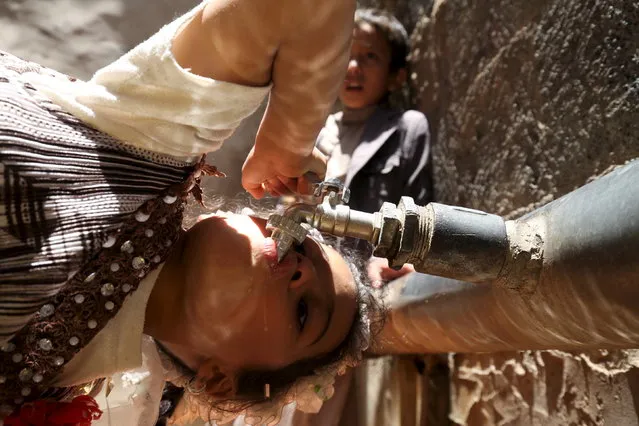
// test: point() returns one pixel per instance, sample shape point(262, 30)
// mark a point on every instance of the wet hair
point(249, 385)
point(392, 30)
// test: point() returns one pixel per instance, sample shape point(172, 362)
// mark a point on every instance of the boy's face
point(368, 77)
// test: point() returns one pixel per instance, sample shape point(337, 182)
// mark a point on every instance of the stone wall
point(78, 37)
point(528, 101)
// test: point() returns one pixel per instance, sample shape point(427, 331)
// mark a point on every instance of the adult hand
point(280, 173)
point(380, 273)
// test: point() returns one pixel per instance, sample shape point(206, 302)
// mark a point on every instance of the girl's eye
point(371, 55)
point(302, 313)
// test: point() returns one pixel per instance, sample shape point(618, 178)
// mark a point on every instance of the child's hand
point(380, 273)
point(280, 173)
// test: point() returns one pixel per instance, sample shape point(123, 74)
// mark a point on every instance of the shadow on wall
point(77, 37)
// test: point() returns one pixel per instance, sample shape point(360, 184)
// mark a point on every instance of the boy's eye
point(371, 55)
point(302, 313)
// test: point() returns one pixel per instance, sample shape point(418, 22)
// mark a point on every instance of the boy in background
point(378, 151)
point(381, 153)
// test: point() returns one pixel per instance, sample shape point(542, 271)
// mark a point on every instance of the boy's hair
point(393, 31)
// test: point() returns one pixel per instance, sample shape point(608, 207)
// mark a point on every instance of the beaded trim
point(37, 353)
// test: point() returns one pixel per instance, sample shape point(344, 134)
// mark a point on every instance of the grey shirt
point(388, 156)
point(342, 133)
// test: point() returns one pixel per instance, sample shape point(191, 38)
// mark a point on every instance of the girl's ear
point(216, 381)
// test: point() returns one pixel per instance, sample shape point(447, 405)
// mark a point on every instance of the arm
point(307, 73)
point(416, 145)
point(300, 46)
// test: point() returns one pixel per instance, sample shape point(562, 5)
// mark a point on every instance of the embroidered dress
point(84, 218)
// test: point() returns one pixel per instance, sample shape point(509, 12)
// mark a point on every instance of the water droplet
point(2, 380)
point(92, 324)
point(37, 378)
point(126, 288)
point(115, 267)
point(149, 233)
point(109, 305)
point(73, 341)
point(16, 358)
point(162, 220)
point(157, 258)
point(90, 277)
point(58, 361)
point(78, 298)
point(25, 391)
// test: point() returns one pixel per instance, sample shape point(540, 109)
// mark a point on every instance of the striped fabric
point(63, 185)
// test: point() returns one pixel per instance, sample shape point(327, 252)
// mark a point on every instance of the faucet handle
point(286, 233)
point(333, 185)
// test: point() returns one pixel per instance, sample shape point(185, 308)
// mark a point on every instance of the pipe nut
point(389, 231)
point(409, 216)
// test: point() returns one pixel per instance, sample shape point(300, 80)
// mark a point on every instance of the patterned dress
point(83, 219)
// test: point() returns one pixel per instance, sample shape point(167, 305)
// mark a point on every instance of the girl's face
point(254, 313)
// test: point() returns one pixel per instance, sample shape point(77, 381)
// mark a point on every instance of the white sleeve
point(147, 100)
point(134, 396)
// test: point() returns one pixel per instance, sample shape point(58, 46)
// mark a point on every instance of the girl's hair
point(250, 383)
point(392, 30)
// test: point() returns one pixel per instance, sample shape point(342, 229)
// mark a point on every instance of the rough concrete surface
point(78, 37)
point(528, 101)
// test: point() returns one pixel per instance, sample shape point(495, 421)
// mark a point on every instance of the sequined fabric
point(83, 219)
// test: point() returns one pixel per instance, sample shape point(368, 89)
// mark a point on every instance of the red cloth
point(79, 412)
